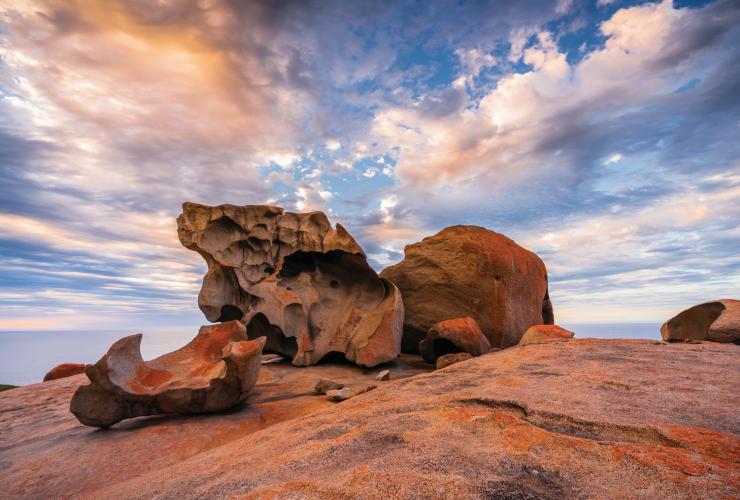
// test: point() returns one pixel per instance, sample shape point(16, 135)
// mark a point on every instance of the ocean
point(26, 356)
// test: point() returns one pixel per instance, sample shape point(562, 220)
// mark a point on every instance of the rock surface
point(214, 372)
point(324, 385)
point(64, 370)
point(471, 271)
point(717, 321)
point(450, 359)
point(37, 429)
point(451, 336)
point(545, 333)
point(340, 394)
point(294, 279)
point(584, 418)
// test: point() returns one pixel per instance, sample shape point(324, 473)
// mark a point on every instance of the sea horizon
point(27, 355)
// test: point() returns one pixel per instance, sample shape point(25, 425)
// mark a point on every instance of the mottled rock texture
point(471, 271)
point(214, 372)
point(450, 359)
point(64, 370)
point(579, 419)
point(451, 336)
point(717, 321)
point(545, 333)
point(295, 280)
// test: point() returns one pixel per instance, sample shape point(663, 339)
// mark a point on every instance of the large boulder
point(545, 333)
point(717, 321)
point(471, 271)
point(295, 280)
point(215, 371)
point(453, 336)
point(64, 370)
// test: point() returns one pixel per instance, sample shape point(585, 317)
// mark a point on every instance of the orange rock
point(717, 321)
point(64, 370)
point(215, 371)
point(587, 417)
point(471, 271)
point(295, 280)
point(450, 359)
point(451, 336)
point(545, 333)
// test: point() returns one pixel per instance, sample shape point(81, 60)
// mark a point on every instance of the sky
point(603, 135)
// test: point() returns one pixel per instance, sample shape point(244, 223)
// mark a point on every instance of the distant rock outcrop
point(295, 280)
point(717, 321)
point(544, 333)
point(453, 336)
point(64, 370)
point(213, 372)
point(471, 271)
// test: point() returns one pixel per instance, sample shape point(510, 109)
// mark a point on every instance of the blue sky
point(601, 134)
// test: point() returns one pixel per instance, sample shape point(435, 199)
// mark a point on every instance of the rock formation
point(717, 321)
point(471, 271)
point(64, 370)
point(213, 372)
point(544, 333)
point(295, 280)
point(587, 418)
point(450, 359)
point(453, 336)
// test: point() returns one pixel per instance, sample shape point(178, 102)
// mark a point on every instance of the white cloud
point(614, 158)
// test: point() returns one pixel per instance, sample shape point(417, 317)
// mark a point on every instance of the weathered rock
point(717, 321)
point(585, 418)
point(215, 371)
point(64, 370)
point(366, 389)
point(294, 279)
point(323, 385)
point(36, 428)
point(450, 359)
point(471, 271)
point(340, 394)
point(451, 336)
point(271, 358)
point(384, 375)
point(545, 333)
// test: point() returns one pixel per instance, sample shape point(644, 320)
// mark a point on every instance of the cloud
point(113, 114)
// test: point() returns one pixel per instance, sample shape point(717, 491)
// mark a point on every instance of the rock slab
point(545, 333)
point(585, 418)
point(471, 271)
point(293, 279)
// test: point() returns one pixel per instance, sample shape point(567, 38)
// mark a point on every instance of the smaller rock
point(717, 321)
point(64, 370)
point(367, 389)
point(324, 385)
point(340, 394)
point(545, 333)
point(454, 335)
point(451, 359)
point(384, 375)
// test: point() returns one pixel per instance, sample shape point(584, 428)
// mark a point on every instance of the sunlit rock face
point(717, 321)
point(295, 280)
point(214, 372)
point(471, 271)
